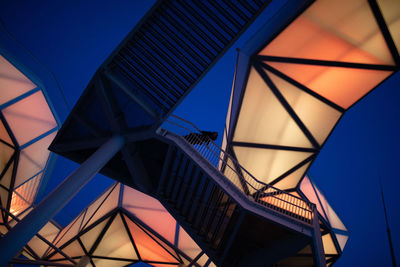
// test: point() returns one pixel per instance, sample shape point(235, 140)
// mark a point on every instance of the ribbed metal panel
point(176, 44)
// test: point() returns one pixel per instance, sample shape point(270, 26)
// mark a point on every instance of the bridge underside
point(131, 95)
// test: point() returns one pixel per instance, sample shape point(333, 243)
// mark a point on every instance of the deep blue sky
point(72, 38)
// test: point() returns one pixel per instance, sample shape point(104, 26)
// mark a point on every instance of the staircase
point(197, 199)
point(231, 215)
point(151, 71)
point(232, 225)
point(174, 46)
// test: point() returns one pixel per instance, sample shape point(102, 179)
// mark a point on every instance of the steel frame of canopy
point(200, 31)
point(259, 63)
point(100, 213)
point(326, 229)
point(110, 216)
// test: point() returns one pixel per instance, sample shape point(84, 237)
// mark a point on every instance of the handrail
point(256, 190)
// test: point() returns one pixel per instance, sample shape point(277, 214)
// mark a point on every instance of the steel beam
point(18, 236)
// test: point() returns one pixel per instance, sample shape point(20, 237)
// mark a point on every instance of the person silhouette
point(204, 137)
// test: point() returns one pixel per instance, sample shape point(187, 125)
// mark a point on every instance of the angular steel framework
point(334, 233)
point(124, 226)
point(27, 127)
point(114, 103)
point(296, 89)
point(290, 92)
point(280, 115)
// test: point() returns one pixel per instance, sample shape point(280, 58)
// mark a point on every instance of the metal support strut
point(319, 254)
point(18, 236)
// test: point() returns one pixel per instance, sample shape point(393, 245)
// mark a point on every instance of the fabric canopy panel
point(49, 232)
point(329, 246)
point(334, 30)
point(264, 120)
point(150, 211)
point(27, 127)
point(30, 118)
point(12, 82)
point(297, 86)
point(292, 180)
point(4, 135)
point(317, 116)
point(340, 85)
point(336, 240)
point(330, 32)
point(268, 164)
point(33, 159)
point(392, 18)
point(268, 140)
point(123, 225)
point(115, 242)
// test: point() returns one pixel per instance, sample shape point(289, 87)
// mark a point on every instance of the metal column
point(319, 254)
point(18, 236)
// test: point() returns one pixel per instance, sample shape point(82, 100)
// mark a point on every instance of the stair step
point(197, 197)
point(204, 204)
point(185, 168)
point(185, 188)
point(174, 171)
point(189, 197)
point(166, 170)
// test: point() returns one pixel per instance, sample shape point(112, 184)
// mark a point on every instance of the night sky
point(72, 38)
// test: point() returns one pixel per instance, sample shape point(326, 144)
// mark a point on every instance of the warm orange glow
point(343, 86)
point(187, 245)
point(6, 153)
point(91, 236)
point(28, 190)
point(268, 164)
point(308, 190)
point(291, 204)
point(318, 117)
point(69, 231)
point(18, 204)
point(33, 159)
point(147, 247)
point(150, 211)
point(391, 12)
point(4, 134)
point(94, 212)
point(161, 265)
point(12, 82)
point(333, 30)
point(30, 117)
point(49, 231)
point(329, 246)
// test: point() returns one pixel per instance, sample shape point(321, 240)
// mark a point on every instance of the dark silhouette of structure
point(248, 202)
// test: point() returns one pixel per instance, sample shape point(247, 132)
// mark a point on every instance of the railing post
point(18, 236)
point(202, 146)
point(318, 248)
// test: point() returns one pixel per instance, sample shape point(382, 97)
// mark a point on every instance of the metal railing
point(256, 190)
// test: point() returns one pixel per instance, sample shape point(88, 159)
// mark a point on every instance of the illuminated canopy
point(301, 81)
point(27, 127)
point(290, 92)
point(334, 233)
point(124, 226)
